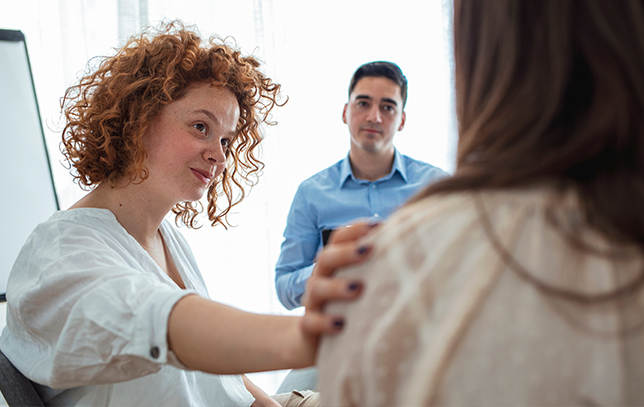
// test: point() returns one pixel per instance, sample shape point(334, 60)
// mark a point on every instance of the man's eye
point(200, 127)
point(388, 108)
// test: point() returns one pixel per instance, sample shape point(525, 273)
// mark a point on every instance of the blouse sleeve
point(84, 310)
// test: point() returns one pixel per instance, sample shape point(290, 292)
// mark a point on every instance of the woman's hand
point(343, 249)
point(261, 398)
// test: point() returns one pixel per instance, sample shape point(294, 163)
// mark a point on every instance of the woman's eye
point(200, 127)
point(225, 142)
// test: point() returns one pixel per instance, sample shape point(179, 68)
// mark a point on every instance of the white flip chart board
point(27, 192)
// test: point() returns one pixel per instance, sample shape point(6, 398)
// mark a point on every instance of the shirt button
point(376, 215)
point(154, 352)
point(373, 185)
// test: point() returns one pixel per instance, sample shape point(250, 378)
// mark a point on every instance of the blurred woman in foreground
point(518, 281)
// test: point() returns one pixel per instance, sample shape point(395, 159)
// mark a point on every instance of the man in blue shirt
point(371, 182)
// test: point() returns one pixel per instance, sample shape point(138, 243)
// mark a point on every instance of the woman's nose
point(216, 155)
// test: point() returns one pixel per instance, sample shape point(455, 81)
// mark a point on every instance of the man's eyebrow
point(389, 100)
point(386, 100)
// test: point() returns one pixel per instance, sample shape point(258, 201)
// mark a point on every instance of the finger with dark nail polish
point(338, 324)
point(354, 286)
point(363, 250)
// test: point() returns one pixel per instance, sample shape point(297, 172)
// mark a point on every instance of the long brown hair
point(109, 110)
point(553, 90)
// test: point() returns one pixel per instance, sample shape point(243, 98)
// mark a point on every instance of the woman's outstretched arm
point(212, 337)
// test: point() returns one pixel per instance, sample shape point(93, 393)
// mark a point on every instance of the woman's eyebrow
point(210, 115)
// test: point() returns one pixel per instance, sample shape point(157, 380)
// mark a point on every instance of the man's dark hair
point(382, 69)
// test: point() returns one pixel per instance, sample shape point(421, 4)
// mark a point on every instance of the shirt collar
point(346, 172)
point(399, 166)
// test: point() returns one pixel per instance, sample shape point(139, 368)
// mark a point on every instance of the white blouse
point(87, 315)
point(444, 320)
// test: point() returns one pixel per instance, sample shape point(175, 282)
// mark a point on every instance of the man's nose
point(374, 115)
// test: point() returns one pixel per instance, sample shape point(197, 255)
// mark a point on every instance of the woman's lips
point(202, 175)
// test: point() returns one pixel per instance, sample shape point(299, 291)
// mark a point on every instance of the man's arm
point(297, 257)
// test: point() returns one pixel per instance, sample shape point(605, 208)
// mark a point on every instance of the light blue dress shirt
point(335, 197)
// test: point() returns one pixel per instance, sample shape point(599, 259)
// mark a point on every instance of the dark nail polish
point(355, 286)
point(338, 323)
point(363, 250)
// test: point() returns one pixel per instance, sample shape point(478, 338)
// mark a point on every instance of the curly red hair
point(110, 109)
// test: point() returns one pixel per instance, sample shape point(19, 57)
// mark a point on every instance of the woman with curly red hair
point(106, 305)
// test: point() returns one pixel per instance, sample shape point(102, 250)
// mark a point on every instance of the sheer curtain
point(312, 49)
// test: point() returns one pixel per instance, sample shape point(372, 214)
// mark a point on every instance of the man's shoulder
point(328, 177)
point(421, 169)
point(413, 162)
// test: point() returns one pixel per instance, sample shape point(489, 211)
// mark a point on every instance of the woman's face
point(187, 143)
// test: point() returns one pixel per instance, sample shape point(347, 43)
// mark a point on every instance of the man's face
point(374, 114)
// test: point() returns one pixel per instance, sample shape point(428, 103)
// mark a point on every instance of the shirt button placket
point(373, 200)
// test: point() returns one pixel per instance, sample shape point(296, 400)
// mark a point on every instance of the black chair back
point(16, 388)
